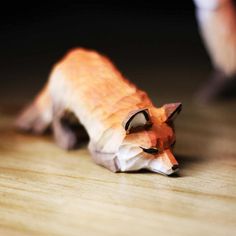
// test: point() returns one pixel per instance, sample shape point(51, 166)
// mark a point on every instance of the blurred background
point(157, 46)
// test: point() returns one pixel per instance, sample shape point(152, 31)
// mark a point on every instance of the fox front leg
point(37, 116)
point(107, 160)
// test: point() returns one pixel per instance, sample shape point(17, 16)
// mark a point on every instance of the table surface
point(48, 191)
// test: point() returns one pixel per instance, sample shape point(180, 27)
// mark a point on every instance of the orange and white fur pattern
point(127, 132)
point(217, 23)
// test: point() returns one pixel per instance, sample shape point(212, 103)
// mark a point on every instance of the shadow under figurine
point(127, 132)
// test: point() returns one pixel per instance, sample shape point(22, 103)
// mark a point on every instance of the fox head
point(149, 140)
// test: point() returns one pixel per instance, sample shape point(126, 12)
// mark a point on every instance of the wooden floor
point(47, 191)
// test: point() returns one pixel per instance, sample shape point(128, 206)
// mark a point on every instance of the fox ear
point(171, 111)
point(136, 119)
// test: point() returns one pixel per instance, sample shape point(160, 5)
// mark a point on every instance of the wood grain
point(47, 191)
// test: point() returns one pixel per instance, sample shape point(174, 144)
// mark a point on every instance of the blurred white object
point(210, 4)
point(217, 23)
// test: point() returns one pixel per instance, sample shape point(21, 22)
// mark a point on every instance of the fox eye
point(152, 150)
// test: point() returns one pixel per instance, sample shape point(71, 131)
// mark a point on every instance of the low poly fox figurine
point(126, 131)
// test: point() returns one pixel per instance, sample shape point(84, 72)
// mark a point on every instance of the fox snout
point(164, 163)
point(131, 159)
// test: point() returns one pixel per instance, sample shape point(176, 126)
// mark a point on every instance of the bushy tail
point(37, 116)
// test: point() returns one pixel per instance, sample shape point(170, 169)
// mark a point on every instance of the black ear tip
point(179, 106)
point(176, 104)
point(172, 109)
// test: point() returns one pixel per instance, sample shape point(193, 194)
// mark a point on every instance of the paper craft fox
point(127, 132)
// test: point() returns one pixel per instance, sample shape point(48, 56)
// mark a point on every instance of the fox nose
point(175, 167)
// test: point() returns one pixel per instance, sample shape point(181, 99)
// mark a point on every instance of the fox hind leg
point(67, 130)
point(36, 117)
